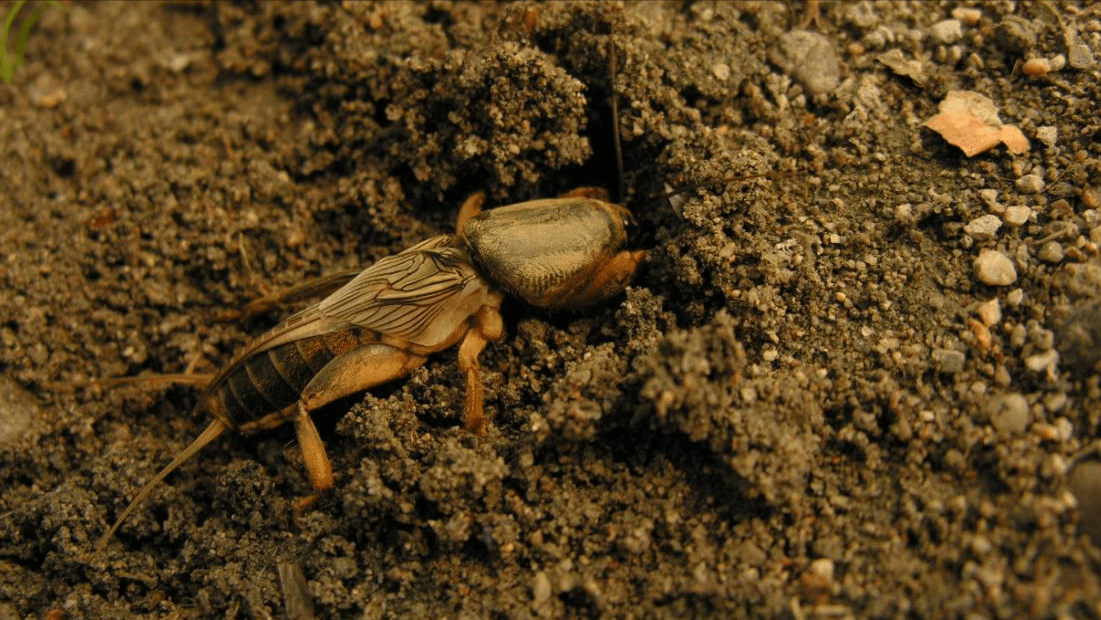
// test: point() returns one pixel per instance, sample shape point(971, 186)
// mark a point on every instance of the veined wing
point(420, 295)
point(403, 295)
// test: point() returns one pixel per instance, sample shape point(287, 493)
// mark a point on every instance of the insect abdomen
point(272, 380)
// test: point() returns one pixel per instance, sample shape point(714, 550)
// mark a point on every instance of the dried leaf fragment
point(970, 121)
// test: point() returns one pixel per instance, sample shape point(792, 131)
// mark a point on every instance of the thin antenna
point(615, 119)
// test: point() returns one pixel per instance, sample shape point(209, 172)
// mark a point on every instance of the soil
point(811, 402)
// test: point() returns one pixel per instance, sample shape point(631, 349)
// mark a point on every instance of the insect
point(566, 252)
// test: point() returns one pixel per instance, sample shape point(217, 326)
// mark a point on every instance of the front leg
point(487, 327)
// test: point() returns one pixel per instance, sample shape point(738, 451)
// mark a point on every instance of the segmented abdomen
point(272, 380)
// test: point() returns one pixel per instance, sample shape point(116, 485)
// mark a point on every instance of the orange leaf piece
point(970, 121)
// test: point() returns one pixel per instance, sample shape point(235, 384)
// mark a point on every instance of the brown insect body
point(406, 306)
point(384, 322)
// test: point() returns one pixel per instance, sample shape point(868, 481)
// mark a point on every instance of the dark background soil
point(806, 406)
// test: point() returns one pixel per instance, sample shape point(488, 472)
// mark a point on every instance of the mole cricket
point(557, 253)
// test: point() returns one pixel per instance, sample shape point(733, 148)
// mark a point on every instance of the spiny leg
point(488, 326)
point(357, 370)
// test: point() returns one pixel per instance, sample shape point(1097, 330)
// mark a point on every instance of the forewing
point(403, 295)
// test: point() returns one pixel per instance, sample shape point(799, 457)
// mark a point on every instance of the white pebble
point(1047, 134)
point(946, 32)
point(990, 198)
point(1081, 57)
point(1042, 361)
point(822, 567)
point(990, 313)
point(983, 228)
point(1030, 184)
point(1016, 216)
point(995, 269)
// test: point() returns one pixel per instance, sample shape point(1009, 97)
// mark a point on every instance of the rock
point(1036, 67)
point(983, 228)
point(1016, 216)
point(968, 16)
point(1079, 339)
point(1048, 135)
point(1030, 184)
point(1051, 252)
point(1015, 34)
point(946, 32)
point(948, 361)
point(990, 313)
point(1008, 413)
point(1084, 481)
point(1080, 57)
point(995, 269)
point(810, 59)
point(990, 199)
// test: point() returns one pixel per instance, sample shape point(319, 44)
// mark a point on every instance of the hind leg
point(355, 371)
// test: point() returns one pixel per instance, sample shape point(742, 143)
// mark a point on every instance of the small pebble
point(1054, 401)
point(1036, 67)
point(540, 588)
point(1084, 481)
point(1079, 339)
point(948, 361)
point(1008, 413)
point(981, 545)
point(991, 312)
point(1066, 428)
point(1081, 57)
point(905, 213)
point(1016, 216)
point(1058, 61)
point(817, 579)
point(1047, 134)
point(995, 269)
point(946, 32)
point(1030, 184)
point(983, 228)
point(981, 334)
point(967, 16)
point(810, 58)
point(1091, 198)
point(1052, 252)
point(1042, 361)
point(990, 199)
